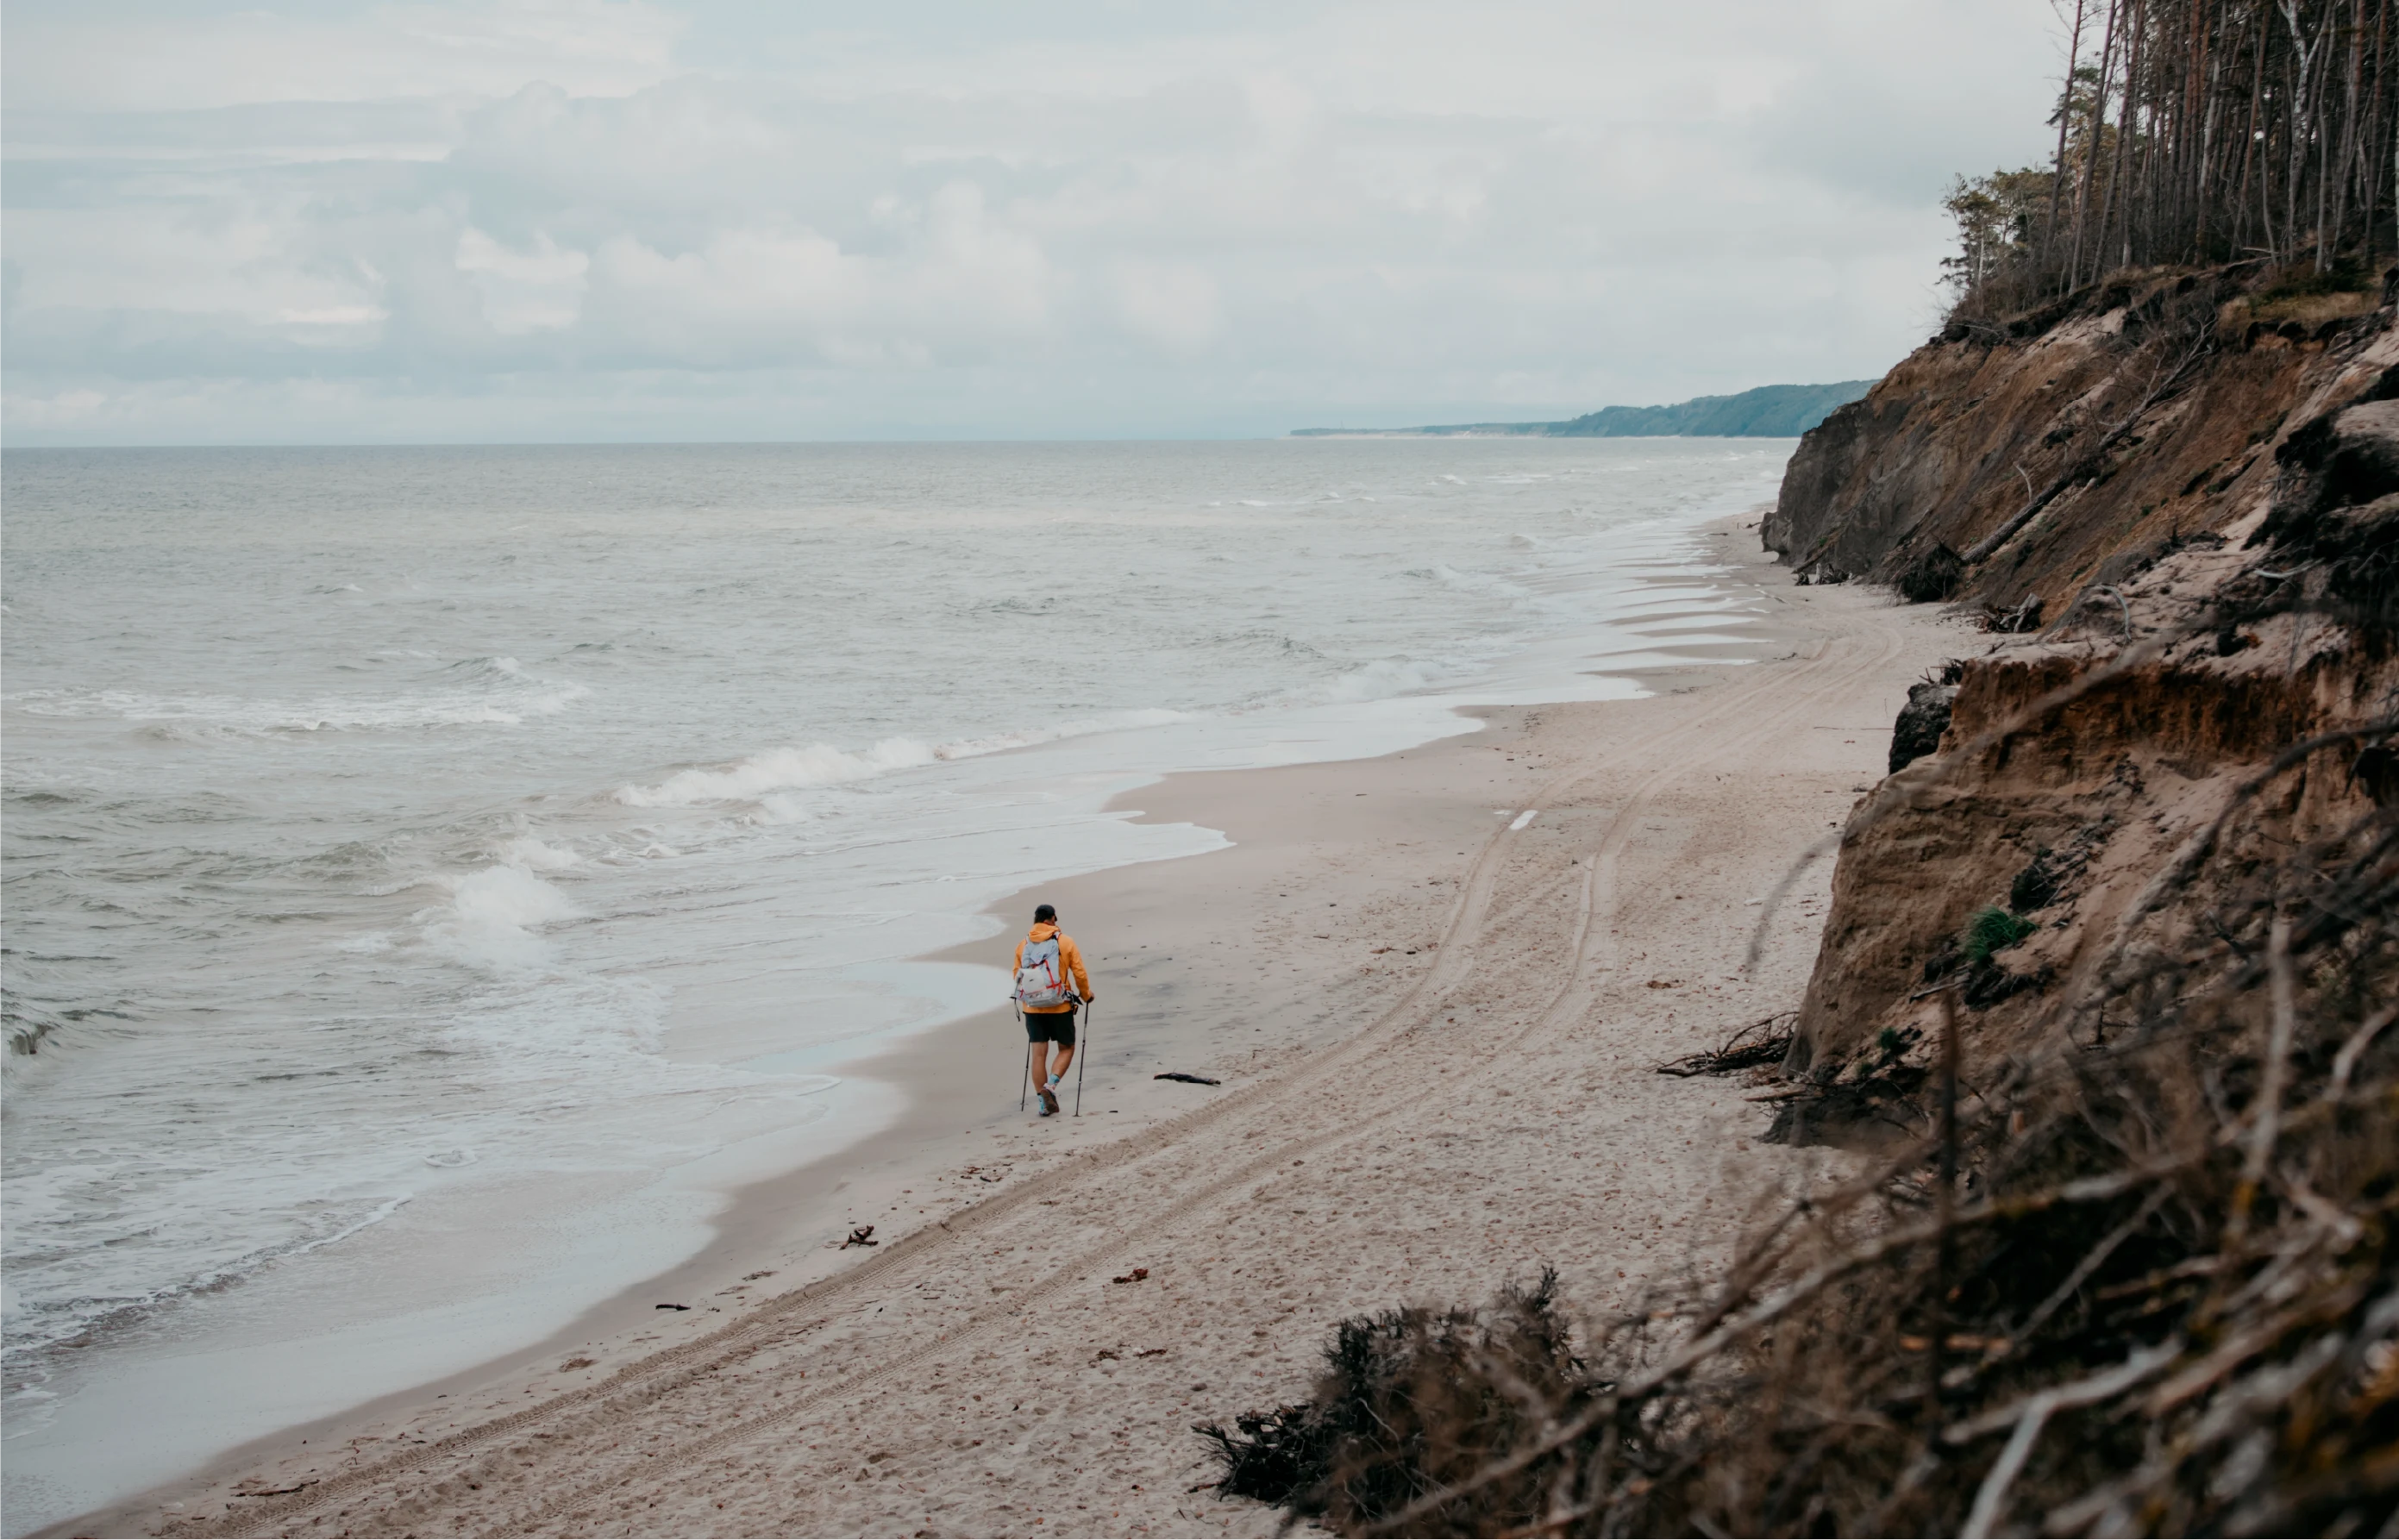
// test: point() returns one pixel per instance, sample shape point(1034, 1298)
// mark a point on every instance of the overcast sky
point(573, 220)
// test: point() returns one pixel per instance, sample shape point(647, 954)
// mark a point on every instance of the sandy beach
point(1433, 988)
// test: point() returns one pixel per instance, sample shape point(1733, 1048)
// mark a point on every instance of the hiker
point(1050, 983)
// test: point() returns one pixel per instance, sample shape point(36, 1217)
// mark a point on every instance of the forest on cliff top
point(2196, 132)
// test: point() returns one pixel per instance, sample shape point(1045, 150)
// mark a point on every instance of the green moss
point(1993, 929)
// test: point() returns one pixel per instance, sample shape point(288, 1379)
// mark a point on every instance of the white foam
point(37, 1196)
point(1384, 678)
point(528, 854)
point(493, 914)
point(778, 770)
point(1080, 727)
point(202, 715)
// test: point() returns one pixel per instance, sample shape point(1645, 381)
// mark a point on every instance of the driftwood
point(2087, 467)
point(1743, 1051)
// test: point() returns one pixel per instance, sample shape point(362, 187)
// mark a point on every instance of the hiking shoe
point(1048, 1102)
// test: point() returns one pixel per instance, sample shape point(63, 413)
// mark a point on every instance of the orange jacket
point(1070, 956)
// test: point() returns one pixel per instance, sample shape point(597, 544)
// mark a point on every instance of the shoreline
point(1295, 829)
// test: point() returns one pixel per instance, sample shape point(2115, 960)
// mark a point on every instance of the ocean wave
point(529, 854)
point(186, 718)
point(1500, 586)
point(1385, 678)
point(492, 917)
point(45, 1198)
point(778, 770)
point(1276, 646)
point(24, 1028)
point(1082, 727)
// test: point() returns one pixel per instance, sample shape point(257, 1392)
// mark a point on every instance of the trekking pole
point(1082, 1059)
point(1028, 1063)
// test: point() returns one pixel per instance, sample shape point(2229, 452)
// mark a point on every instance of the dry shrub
point(1410, 1401)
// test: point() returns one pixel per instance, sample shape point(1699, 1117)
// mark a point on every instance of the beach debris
point(671, 1307)
point(1394, 1387)
point(2015, 622)
point(1932, 576)
point(1763, 1042)
point(1134, 1276)
point(863, 1235)
point(578, 1361)
point(1268, 1455)
point(1665, 983)
point(258, 1487)
point(1187, 1079)
point(1107, 1352)
point(1151, 1353)
point(753, 1278)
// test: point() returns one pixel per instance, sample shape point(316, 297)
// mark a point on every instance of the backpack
point(1041, 975)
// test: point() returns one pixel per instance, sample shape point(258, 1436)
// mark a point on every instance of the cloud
point(1172, 305)
point(541, 289)
point(162, 57)
point(594, 220)
point(68, 409)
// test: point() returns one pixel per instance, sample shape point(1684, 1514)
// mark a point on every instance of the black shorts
point(1051, 1026)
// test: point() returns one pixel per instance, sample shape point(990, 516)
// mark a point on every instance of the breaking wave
point(497, 691)
point(823, 764)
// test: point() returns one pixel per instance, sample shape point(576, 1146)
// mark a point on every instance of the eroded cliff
point(2101, 426)
point(2204, 500)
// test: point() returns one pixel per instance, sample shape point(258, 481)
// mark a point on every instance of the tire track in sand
point(1189, 1206)
point(622, 1398)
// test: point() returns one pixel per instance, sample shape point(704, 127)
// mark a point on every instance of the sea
point(434, 877)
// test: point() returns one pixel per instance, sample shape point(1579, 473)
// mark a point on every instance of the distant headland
point(1770, 411)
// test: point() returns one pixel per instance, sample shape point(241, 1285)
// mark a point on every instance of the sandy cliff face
point(2216, 557)
point(2139, 409)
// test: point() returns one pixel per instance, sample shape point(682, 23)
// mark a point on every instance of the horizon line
point(1289, 436)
